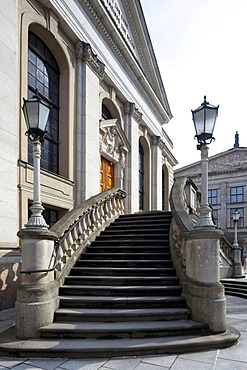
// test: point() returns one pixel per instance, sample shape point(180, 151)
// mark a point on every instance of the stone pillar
point(37, 298)
point(203, 291)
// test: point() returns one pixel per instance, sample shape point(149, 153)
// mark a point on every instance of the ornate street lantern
point(204, 118)
point(36, 113)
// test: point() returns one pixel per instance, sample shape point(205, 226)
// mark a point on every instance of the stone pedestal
point(237, 262)
point(37, 298)
point(203, 291)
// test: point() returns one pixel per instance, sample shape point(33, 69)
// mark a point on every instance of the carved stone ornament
point(85, 53)
point(130, 108)
point(114, 140)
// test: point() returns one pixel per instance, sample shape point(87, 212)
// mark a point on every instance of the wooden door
point(106, 174)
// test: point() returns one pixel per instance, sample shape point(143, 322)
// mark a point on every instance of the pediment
point(233, 160)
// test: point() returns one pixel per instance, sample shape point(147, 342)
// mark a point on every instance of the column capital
point(85, 53)
point(130, 108)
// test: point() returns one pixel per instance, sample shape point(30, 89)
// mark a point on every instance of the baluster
point(65, 249)
point(74, 233)
point(97, 216)
point(70, 243)
point(80, 231)
point(93, 219)
point(60, 264)
point(101, 213)
point(88, 223)
point(107, 210)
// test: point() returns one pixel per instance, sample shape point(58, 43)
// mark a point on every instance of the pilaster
point(90, 70)
point(132, 118)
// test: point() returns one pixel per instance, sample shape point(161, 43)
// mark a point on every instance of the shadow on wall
point(10, 267)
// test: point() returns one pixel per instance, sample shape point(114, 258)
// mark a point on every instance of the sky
point(201, 49)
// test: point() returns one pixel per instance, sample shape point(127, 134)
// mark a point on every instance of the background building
point(227, 189)
point(93, 61)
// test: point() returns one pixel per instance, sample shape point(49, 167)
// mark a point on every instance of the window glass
point(237, 194)
point(213, 196)
point(43, 78)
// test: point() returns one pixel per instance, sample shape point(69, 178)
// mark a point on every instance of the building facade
point(227, 189)
point(93, 62)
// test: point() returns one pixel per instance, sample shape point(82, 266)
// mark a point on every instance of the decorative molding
point(86, 54)
point(140, 82)
point(130, 108)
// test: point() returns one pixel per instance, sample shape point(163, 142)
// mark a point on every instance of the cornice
point(134, 72)
point(85, 53)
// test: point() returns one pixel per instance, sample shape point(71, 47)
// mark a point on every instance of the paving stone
point(123, 363)
point(236, 353)
point(83, 364)
point(222, 364)
point(164, 360)
point(205, 356)
point(183, 364)
point(9, 362)
point(46, 364)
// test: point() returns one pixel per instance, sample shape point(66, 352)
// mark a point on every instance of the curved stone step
point(121, 280)
point(112, 302)
point(120, 330)
point(127, 249)
point(125, 256)
point(120, 291)
point(122, 271)
point(86, 348)
point(113, 315)
point(124, 263)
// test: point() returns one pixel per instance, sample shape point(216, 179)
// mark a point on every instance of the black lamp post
point(204, 118)
point(36, 113)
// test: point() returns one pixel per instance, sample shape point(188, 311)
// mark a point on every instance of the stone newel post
point(37, 298)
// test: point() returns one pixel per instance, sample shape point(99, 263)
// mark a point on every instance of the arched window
point(43, 79)
point(106, 114)
point(141, 177)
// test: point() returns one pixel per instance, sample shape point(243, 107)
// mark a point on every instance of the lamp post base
point(205, 219)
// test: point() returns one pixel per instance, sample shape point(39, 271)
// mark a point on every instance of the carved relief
point(113, 139)
point(233, 162)
point(85, 53)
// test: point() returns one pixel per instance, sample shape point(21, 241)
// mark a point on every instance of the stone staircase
point(235, 287)
point(123, 297)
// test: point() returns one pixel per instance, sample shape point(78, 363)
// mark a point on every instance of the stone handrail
point(184, 202)
point(82, 224)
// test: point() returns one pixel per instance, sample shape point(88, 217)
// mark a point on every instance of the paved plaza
point(234, 358)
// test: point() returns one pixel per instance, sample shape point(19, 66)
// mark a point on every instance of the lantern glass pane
point(43, 116)
point(32, 109)
point(198, 117)
point(210, 120)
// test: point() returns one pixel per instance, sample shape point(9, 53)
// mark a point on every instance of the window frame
point(213, 198)
point(51, 73)
point(234, 198)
